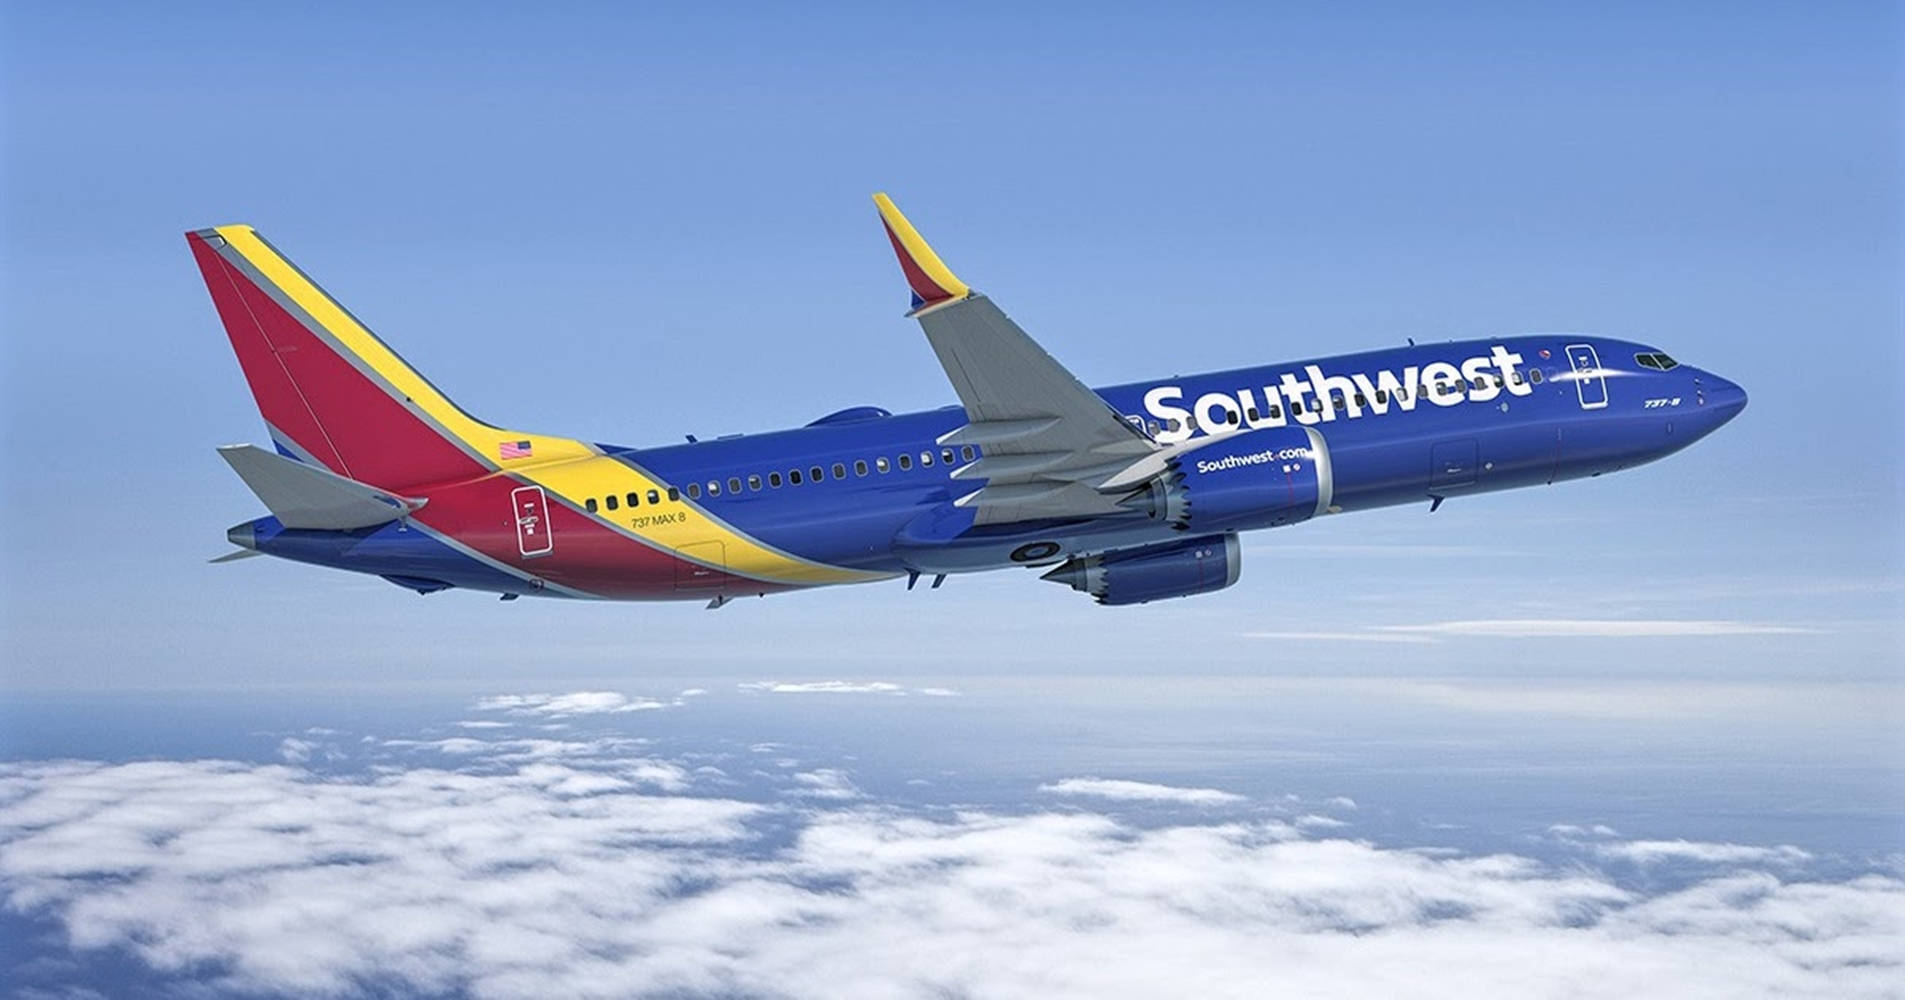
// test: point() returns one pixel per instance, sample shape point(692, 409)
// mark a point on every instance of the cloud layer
point(841, 687)
point(595, 869)
point(1538, 628)
point(1118, 789)
point(1608, 628)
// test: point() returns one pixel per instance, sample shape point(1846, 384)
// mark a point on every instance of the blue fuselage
point(1460, 442)
point(869, 492)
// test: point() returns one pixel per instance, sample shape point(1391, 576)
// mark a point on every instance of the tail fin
point(331, 392)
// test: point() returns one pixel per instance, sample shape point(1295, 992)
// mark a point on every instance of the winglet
point(933, 283)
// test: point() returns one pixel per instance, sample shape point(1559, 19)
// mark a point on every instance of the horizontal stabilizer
point(306, 496)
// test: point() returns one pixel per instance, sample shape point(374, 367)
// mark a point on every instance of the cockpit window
point(1657, 361)
point(1666, 363)
point(1647, 361)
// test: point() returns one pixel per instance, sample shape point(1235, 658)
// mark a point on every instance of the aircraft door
point(1588, 381)
point(531, 509)
point(701, 567)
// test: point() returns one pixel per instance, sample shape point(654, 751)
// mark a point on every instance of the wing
point(1052, 448)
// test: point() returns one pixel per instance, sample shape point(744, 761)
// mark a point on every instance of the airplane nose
point(1724, 399)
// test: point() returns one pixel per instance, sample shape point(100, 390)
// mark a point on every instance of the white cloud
point(1627, 699)
point(568, 876)
point(1388, 637)
point(556, 706)
point(296, 751)
point(1571, 831)
point(841, 687)
point(1610, 628)
point(825, 783)
point(1121, 790)
point(1655, 851)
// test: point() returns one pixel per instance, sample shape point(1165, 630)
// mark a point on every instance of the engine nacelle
point(1247, 479)
point(1153, 572)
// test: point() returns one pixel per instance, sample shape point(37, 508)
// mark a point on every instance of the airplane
point(1130, 494)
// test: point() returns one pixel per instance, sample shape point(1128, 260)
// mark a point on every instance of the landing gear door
point(1588, 381)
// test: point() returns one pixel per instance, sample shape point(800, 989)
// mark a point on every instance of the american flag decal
point(513, 449)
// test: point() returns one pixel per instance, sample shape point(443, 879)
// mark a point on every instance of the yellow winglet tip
point(931, 280)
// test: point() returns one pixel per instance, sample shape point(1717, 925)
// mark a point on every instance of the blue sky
point(630, 225)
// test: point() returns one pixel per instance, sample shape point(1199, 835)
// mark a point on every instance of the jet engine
point(1246, 479)
point(1153, 572)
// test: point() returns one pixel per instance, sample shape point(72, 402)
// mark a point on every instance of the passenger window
point(674, 494)
point(714, 487)
point(966, 453)
point(754, 484)
point(1254, 416)
point(859, 466)
point(734, 485)
point(1360, 401)
point(906, 462)
point(694, 491)
point(1382, 396)
point(880, 464)
point(1515, 378)
point(1276, 412)
point(839, 470)
point(817, 474)
point(589, 505)
point(1535, 376)
point(1232, 417)
point(634, 500)
point(946, 454)
point(654, 497)
point(793, 477)
point(1296, 406)
point(611, 501)
point(774, 480)
point(925, 459)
